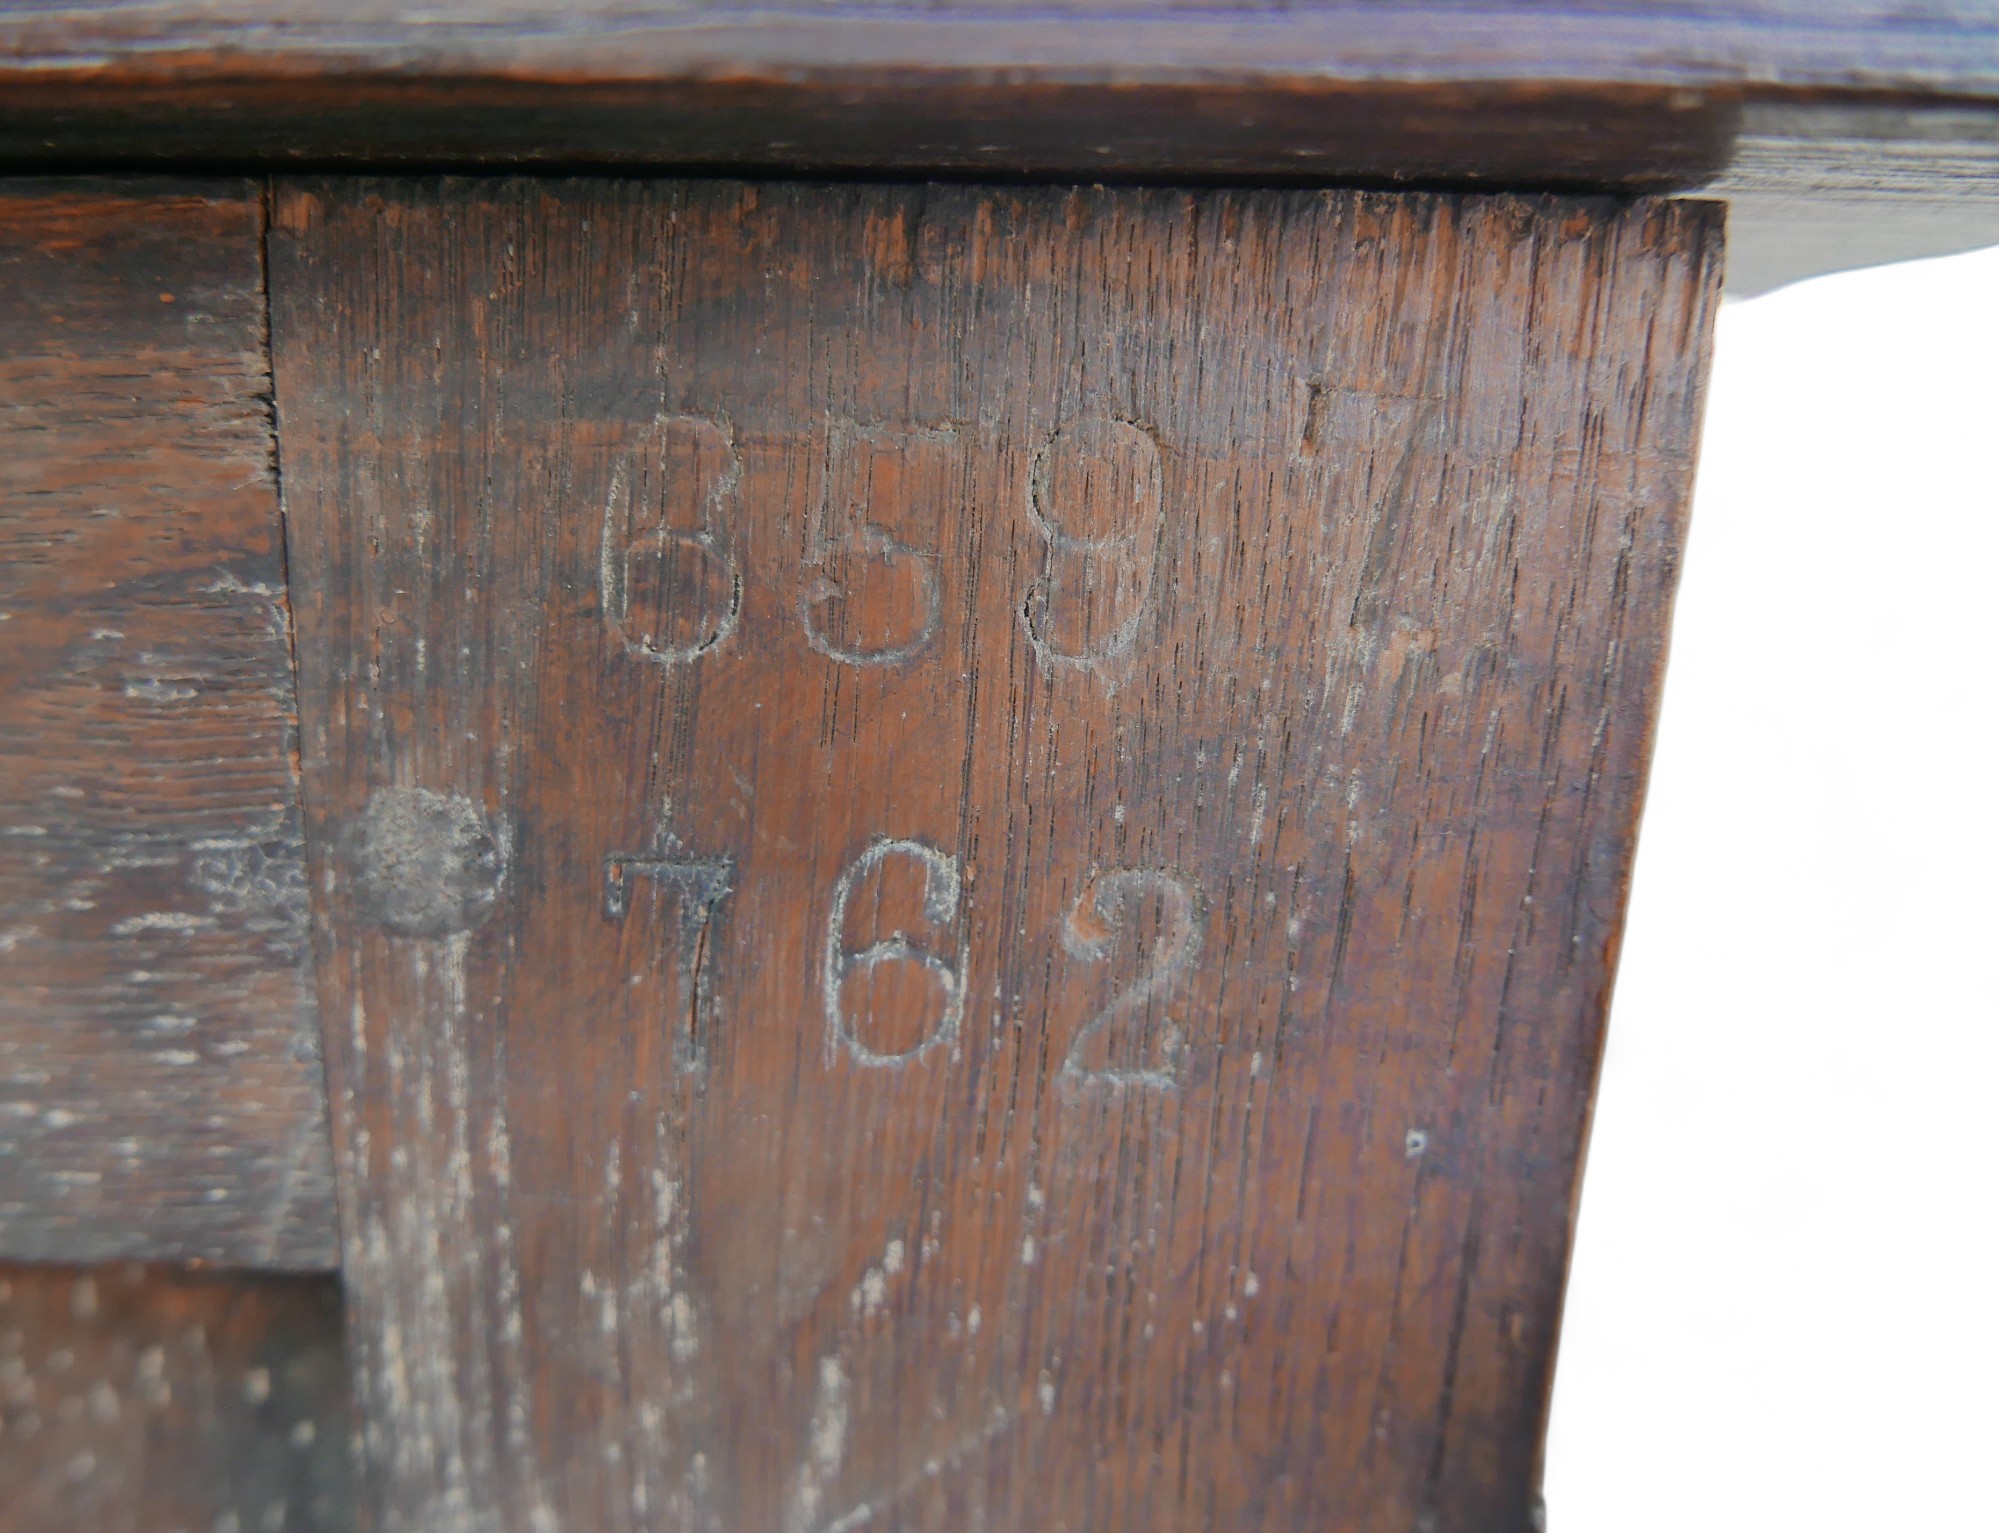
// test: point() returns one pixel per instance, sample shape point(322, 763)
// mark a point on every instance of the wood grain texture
point(1939, 46)
point(1786, 103)
point(1821, 188)
point(968, 845)
point(141, 1399)
point(160, 1089)
point(1841, 134)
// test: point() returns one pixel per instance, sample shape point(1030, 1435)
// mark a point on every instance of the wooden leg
point(968, 845)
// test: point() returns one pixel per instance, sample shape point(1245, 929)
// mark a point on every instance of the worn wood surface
point(1877, 47)
point(1934, 45)
point(1842, 132)
point(160, 1090)
point(968, 845)
point(140, 1399)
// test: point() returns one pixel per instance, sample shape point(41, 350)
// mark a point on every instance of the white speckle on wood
point(162, 920)
point(825, 1448)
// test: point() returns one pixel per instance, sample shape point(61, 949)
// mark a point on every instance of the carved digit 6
point(940, 908)
point(672, 590)
point(1091, 932)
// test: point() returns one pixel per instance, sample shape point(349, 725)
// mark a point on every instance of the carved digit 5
point(1093, 495)
point(849, 578)
point(940, 908)
point(866, 597)
point(672, 590)
point(1095, 922)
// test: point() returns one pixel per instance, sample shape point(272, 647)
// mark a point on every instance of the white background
point(1784, 1307)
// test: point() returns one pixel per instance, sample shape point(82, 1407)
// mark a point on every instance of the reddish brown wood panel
point(968, 845)
point(159, 1079)
point(140, 1399)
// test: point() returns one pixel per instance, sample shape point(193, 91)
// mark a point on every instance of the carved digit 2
point(940, 905)
point(1173, 953)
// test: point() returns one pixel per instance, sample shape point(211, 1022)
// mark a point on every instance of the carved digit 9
point(940, 908)
point(1096, 921)
point(672, 590)
point(1093, 495)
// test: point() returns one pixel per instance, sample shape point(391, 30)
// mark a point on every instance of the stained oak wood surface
point(140, 1399)
point(968, 845)
point(1847, 131)
point(1934, 45)
point(160, 1091)
point(1841, 132)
